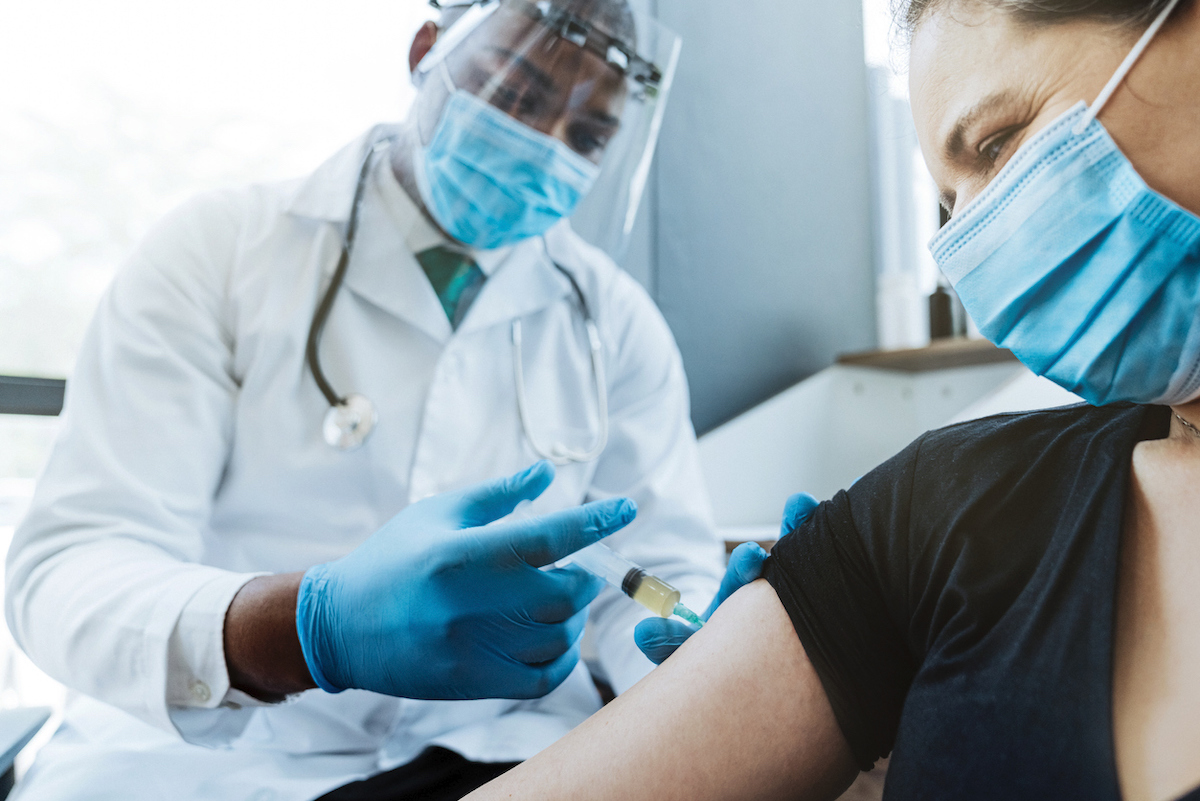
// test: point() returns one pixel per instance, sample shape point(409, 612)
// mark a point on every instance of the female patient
point(1011, 604)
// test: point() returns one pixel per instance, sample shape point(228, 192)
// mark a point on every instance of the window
point(906, 206)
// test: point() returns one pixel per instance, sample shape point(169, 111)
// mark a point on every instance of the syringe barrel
point(602, 561)
point(650, 591)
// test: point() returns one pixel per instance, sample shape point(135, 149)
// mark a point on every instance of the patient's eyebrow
point(956, 141)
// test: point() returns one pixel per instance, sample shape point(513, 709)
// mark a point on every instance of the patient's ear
point(422, 44)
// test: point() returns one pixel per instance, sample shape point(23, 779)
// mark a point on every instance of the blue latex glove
point(660, 637)
point(445, 603)
point(796, 511)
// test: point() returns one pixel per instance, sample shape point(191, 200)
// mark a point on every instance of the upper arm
point(651, 453)
point(651, 457)
point(153, 381)
point(648, 401)
point(843, 576)
point(106, 560)
point(737, 713)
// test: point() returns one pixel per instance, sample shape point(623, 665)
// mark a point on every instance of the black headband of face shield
point(578, 31)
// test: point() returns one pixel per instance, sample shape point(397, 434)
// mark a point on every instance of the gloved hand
point(445, 603)
point(660, 637)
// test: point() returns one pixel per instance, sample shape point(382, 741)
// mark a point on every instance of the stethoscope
point(352, 418)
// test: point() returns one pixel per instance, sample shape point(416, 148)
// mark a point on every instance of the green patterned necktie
point(455, 277)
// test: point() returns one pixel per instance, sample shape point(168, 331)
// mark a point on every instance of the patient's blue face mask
point(490, 181)
point(1071, 261)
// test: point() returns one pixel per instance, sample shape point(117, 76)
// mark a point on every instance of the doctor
point(252, 557)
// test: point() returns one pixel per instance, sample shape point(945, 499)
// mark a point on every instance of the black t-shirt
point(957, 604)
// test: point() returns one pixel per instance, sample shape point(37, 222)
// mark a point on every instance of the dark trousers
point(436, 775)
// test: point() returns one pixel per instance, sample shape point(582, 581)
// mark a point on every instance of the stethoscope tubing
point(559, 453)
point(312, 348)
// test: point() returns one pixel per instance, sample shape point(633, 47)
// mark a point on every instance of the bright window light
point(114, 111)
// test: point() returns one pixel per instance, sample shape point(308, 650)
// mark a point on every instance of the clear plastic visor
point(596, 82)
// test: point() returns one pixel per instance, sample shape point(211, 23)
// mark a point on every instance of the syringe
point(650, 591)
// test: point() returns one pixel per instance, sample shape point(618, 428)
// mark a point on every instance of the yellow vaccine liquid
point(654, 594)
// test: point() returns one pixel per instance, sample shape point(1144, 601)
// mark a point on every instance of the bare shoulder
point(737, 713)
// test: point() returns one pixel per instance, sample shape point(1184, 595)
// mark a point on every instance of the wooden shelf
point(942, 355)
point(766, 545)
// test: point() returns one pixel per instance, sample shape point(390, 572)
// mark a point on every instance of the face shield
point(526, 107)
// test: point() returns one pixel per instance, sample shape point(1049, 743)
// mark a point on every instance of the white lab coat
point(191, 459)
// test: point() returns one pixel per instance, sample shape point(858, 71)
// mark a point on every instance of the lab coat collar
point(525, 282)
point(420, 232)
point(329, 191)
point(384, 271)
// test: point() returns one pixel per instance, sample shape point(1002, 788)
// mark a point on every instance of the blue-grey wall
point(755, 237)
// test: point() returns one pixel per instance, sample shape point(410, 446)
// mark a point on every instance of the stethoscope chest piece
point(349, 423)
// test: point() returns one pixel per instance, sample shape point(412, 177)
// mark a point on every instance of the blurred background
point(784, 223)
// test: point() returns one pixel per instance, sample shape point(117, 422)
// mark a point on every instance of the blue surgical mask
point(1088, 275)
point(490, 181)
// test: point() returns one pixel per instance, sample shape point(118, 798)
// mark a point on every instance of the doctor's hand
point(444, 602)
point(660, 637)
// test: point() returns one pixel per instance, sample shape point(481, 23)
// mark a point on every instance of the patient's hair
point(1132, 13)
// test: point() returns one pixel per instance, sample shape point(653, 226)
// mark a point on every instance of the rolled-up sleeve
point(842, 577)
point(105, 590)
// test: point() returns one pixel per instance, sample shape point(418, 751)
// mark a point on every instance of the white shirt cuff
point(196, 673)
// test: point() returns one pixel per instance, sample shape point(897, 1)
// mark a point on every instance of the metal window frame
point(36, 396)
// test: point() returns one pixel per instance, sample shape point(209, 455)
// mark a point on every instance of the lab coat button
point(201, 692)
